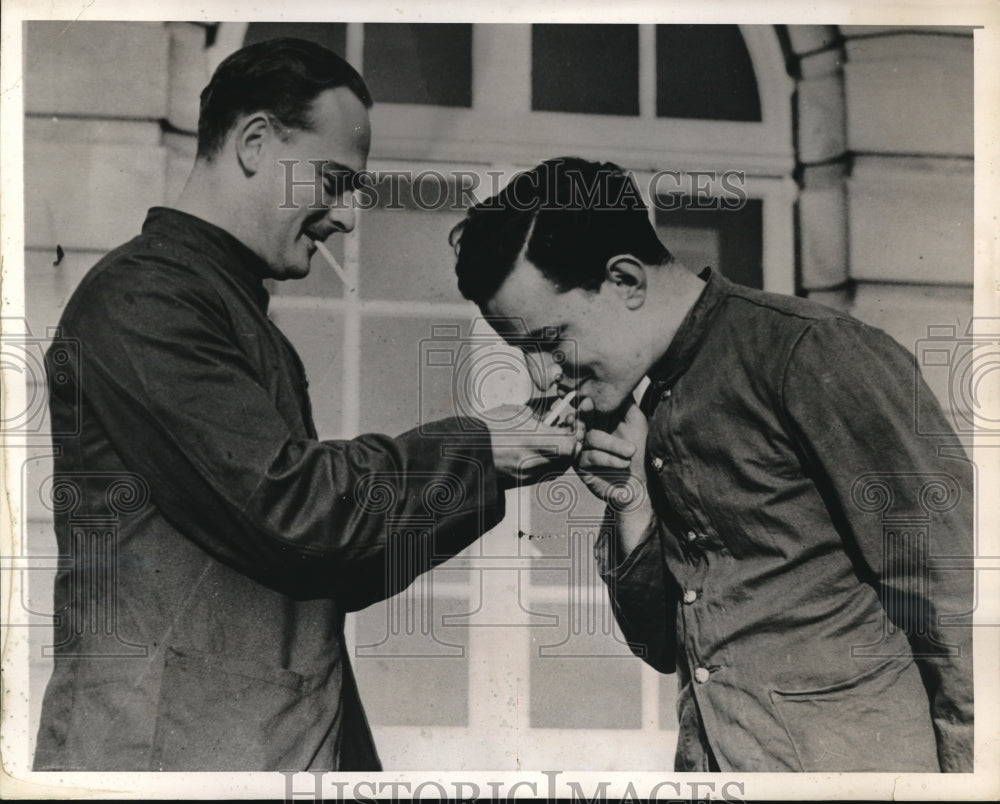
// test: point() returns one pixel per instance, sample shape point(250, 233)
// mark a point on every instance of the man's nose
point(341, 214)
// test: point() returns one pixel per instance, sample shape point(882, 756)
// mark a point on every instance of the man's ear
point(250, 135)
point(627, 276)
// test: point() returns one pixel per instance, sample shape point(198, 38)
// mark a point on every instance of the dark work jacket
point(809, 577)
point(210, 544)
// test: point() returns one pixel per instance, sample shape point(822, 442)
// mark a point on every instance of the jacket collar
point(690, 334)
point(216, 245)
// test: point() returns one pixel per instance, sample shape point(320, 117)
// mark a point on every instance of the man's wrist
point(620, 543)
point(634, 526)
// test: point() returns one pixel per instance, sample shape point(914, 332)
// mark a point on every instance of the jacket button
point(690, 596)
point(657, 463)
point(665, 395)
point(692, 536)
point(701, 675)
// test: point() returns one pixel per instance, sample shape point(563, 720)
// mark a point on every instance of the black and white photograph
point(433, 401)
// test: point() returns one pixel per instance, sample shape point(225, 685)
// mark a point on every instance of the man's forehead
point(340, 122)
point(525, 304)
point(525, 288)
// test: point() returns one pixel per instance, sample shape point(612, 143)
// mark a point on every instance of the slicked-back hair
point(282, 77)
point(573, 214)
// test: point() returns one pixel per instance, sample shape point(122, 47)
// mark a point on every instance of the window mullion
point(647, 72)
point(649, 690)
point(355, 46)
point(501, 84)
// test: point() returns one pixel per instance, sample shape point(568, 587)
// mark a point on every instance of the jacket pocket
point(223, 713)
point(878, 720)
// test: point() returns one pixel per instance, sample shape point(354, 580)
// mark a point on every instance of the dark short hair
point(280, 76)
point(575, 216)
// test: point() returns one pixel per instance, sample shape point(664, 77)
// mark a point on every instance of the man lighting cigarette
point(246, 538)
point(752, 562)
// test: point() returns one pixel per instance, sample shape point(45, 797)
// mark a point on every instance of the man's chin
point(290, 272)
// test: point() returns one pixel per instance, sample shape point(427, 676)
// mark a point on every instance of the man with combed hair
point(212, 542)
point(747, 550)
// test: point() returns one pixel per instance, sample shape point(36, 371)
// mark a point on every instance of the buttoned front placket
point(692, 550)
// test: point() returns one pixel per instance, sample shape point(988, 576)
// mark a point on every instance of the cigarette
point(333, 262)
point(558, 409)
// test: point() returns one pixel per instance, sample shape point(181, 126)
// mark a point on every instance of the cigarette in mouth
point(558, 409)
point(333, 262)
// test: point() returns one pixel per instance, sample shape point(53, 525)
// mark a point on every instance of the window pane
point(419, 63)
point(586, 690)
point(413, 672)
point(403, 381)
point(730, 241)
point(405, 254)
point(704, 72)
point(582, 674)
point(667, 685)
point(329, 34)
point(585, 68)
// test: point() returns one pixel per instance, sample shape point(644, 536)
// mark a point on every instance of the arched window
point(704, 72)
point(589, 69)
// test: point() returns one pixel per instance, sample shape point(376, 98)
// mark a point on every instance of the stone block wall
point(885, 151)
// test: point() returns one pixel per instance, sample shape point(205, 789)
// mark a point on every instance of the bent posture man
point(238, 540)
point(805, 634)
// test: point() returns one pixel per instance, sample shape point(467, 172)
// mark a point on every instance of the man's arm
point(643, 594)
point(849, 392)
point(183, 407)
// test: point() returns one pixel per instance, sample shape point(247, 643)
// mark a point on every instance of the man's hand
point(613, 467)
point(524, 449)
